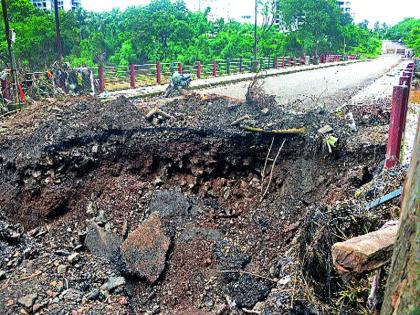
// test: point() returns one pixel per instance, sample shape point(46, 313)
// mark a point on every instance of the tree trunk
point(401, 295)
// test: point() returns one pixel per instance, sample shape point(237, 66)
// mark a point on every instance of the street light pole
point(9, 35)
point(255, 30)
point(58, 34)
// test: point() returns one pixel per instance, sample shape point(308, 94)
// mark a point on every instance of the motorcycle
point(178, 82)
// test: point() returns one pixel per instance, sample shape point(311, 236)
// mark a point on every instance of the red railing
point(133, 76)
point(400, 98)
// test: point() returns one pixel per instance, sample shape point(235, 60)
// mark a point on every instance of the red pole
point(276, 63)
point(158, 73)
point(198, 70)
point(294, 61)
point(180, 68)
point(101, 78)
point(214, 69)
point(132, 76)
point(282, 63)
point(395, 126)
point(406, 81)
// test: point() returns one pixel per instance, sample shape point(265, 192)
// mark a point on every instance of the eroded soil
point(234, 249)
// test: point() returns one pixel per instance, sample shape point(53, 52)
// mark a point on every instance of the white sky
point(389, 11)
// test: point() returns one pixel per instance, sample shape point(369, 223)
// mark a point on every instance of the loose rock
point(112, 283)
point(144, 251)
point(28, 300)
point(102, 243)
point(366, 252)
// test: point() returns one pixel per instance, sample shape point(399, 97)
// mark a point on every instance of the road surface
point(331, 86)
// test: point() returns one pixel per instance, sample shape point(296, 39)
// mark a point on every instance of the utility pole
point(10, 39)
point(255, 30)
point(57, 31)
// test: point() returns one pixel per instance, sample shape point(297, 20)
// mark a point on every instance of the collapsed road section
point(201, 204)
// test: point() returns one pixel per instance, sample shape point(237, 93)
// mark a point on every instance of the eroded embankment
point(193, 181)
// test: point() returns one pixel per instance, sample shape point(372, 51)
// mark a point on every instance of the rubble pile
point(199, 204)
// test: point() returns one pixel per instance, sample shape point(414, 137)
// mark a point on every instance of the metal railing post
point(395, 126)
point(198, 70)
point(101, 78)
point(158, 73)
point(132, 76)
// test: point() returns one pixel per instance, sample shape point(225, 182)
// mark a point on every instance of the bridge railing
point(133, 76)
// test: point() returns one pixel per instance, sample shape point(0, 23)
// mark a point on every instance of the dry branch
point(291, 131)
point(271, 172)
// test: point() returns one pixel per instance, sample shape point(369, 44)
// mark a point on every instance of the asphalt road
point(329, 85)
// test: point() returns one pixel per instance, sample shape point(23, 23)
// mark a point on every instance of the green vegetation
point(168, 31)
point(407, 31)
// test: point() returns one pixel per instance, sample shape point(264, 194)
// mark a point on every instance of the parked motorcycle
point(178, 82)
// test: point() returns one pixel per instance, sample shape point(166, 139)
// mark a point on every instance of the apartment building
point(345, 6)
point(62, 4)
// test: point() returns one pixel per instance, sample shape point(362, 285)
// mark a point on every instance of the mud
point(63, 162)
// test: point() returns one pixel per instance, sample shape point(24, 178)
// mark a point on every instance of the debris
point(365, 253)
point(240, 119)
point(73, 258)
point(285, 280)
point(102, 243)
point(157, 111)
point(61, 270)
point(247, 291)
point(396, 193)
point(291, 131)
point(144, 251)
point(352, 122)
point(325, 129)
point(113, 283)
point(92, 295)
point(28, 300)
point(271, 172)
point(170, 204)
point(373, 299)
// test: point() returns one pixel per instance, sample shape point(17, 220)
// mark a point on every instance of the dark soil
point(66, 162)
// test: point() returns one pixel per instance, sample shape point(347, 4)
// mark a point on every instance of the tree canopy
point(167, 31)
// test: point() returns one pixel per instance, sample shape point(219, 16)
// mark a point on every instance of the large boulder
point(366, 252)
point(144, 251)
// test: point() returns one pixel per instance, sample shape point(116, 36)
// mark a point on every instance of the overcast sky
point(389, 11)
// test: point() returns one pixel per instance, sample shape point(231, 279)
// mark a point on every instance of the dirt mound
point(201, 163)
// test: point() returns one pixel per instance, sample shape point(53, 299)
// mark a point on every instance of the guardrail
point(134, 75)
point(400, 97)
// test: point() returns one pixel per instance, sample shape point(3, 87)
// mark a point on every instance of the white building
point(62, 4)
point(226, 9)
point(345, 6)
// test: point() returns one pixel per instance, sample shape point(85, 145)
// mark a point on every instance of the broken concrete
point(366, 252)
point(144, 251)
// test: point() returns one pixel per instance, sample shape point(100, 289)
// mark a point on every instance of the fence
point(400, 97)
point(133, 76)
point(110, 77)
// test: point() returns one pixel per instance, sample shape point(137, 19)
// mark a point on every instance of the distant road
point(330, 85)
